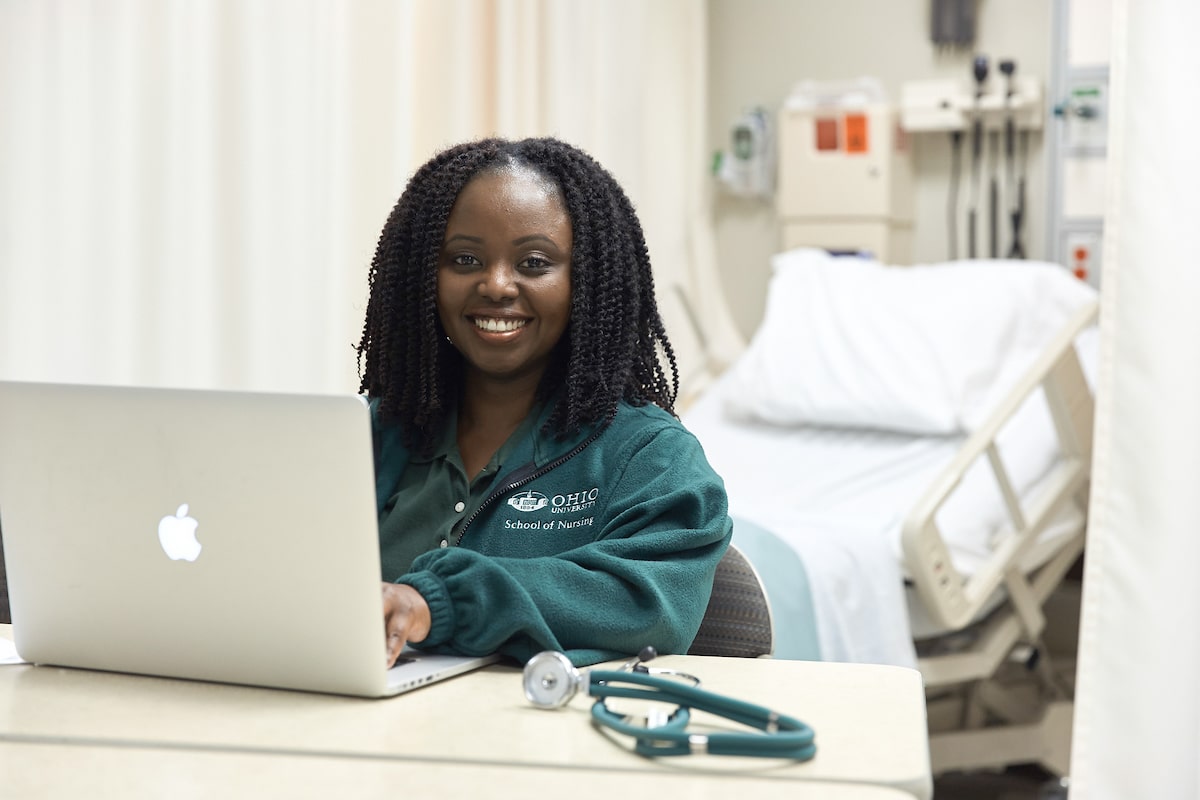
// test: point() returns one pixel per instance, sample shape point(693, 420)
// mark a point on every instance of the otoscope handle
point(980, 68)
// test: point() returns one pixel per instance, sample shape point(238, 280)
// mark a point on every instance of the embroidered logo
point(528, 501)
point(574, 501)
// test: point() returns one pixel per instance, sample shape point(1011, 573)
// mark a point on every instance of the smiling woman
point(535, 488)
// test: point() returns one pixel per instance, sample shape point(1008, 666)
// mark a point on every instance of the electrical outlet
point(1082, 251)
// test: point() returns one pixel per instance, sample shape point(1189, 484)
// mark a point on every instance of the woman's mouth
point(497, 325)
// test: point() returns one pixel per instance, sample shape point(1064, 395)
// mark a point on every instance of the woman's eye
point(464, 260)
point(535, 264)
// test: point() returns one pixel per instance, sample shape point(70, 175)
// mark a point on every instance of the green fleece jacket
point(595, 546)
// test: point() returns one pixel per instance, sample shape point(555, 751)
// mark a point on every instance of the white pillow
point(924, 349)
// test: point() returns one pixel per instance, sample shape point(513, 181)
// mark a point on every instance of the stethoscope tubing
point(783, 736)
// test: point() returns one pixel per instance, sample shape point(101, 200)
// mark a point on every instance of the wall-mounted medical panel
point(955, 105)
point(1077, 145)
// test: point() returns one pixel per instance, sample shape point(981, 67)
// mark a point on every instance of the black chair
point(5, 614)
point(738, 619)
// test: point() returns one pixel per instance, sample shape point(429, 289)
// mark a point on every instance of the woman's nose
point(499, 282)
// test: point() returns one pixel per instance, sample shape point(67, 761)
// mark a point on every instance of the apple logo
point(177, 535)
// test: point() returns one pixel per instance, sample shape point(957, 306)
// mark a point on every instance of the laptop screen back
point(222, 536)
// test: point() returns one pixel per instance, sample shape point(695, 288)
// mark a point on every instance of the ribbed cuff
point(441, 610)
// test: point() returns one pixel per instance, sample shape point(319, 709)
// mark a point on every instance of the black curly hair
point(615, 346)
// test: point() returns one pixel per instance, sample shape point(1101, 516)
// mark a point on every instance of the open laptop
point(218, 536)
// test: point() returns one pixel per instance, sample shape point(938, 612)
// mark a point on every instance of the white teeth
point(498, 325)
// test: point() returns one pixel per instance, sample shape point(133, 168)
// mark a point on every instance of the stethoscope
point(551, 680)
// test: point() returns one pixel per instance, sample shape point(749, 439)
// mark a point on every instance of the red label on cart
point(827, 133)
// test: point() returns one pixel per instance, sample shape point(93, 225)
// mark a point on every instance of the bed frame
point(995, 696)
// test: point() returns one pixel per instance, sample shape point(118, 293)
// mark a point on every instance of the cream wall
point(759, 48)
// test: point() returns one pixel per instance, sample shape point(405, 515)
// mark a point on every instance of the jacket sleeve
point(644, 580)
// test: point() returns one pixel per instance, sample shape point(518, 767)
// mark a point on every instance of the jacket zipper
point(521, 481)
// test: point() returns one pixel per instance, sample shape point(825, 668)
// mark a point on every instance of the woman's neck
point(488, 413)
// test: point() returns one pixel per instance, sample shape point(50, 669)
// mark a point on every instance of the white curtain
point(1137, 714)
point(191, 190)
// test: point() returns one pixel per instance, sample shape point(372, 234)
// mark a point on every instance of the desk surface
point(100, 772)
point(869, 722)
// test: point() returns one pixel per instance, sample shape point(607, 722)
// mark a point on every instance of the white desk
point(99, 772)
point(476, 730)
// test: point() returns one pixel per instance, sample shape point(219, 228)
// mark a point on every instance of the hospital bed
point(906, 452)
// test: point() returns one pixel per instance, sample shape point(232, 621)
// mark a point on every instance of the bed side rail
point(952, 599)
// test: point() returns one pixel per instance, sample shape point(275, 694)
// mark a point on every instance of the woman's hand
point(405, 618)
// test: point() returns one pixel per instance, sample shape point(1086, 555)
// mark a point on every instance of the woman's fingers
point(395, 643)
point(405, 618)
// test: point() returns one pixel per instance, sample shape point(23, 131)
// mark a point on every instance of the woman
point(535, 489)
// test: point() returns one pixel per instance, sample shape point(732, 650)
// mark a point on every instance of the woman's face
point(504, 275)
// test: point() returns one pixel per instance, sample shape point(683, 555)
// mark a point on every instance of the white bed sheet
point(838, 497)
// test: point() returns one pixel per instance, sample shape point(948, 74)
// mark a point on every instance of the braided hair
point(615, 347)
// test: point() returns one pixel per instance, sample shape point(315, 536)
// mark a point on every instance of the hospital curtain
point(191, 190)
point(1137, 713)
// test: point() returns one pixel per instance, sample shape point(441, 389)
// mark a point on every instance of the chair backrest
point(5, 614)
point(738, 619)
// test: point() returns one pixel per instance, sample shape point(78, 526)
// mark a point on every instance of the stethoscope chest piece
point(551, 680)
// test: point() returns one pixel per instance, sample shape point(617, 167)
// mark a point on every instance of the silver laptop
point(218, 536)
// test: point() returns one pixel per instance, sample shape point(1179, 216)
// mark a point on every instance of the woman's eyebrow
point(534, 237)
point(475, 239)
